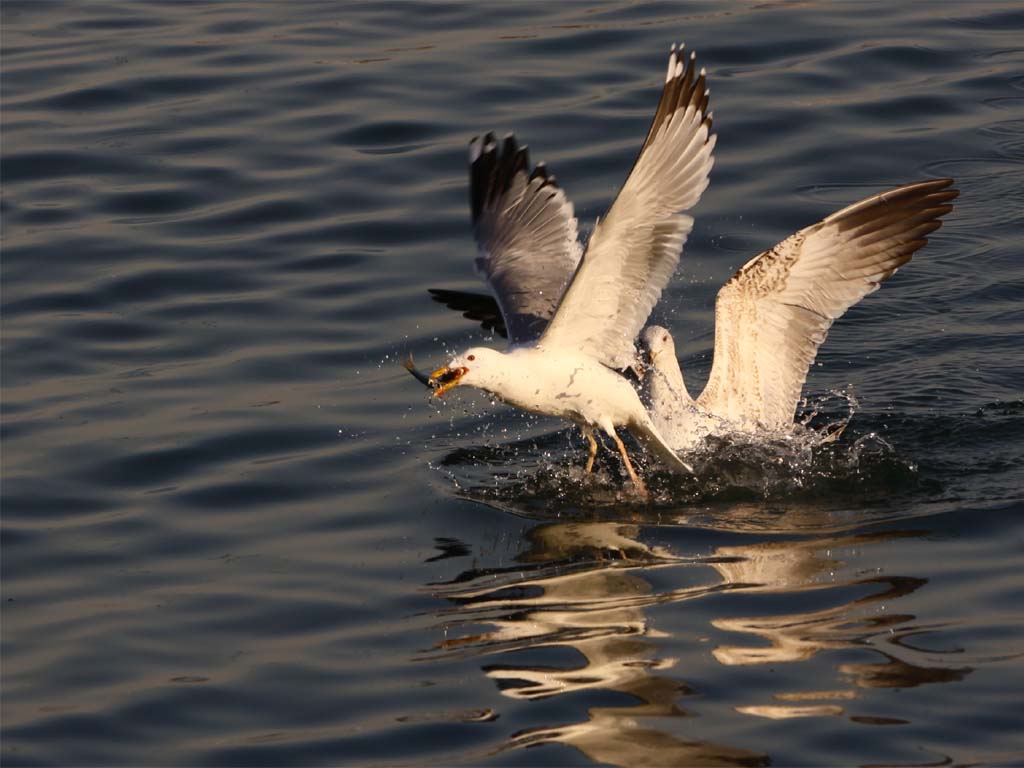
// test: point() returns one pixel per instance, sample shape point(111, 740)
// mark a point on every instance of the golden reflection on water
point(582, 586)
point(792, 566)
point(586, 588)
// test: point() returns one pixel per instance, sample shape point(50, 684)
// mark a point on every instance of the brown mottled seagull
point(775, 312)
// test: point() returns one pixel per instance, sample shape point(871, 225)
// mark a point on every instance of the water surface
point(236, 533)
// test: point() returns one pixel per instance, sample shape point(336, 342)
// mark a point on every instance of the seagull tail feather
point(648, 436)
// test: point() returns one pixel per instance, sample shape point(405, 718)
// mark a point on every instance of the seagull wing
point(481, 307)
point(772, 316)
point(526, 234)
point(635, 249)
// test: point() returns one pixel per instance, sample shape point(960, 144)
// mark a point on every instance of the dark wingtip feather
point(921, 200)
point(480, 307)
point(494, 167)
point(481, 168)
point(687, 88)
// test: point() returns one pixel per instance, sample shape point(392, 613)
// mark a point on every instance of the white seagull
point(572, 320)
point(774, 313)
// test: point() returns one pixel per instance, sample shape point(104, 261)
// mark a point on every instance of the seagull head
point(656, 342)
point(471, 367)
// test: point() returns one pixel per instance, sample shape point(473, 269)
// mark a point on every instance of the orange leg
point(637, 482)
point(589, 434)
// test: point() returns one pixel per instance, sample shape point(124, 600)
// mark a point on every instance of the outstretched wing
point(526, 235)
point(772, 316)
point(635, 249)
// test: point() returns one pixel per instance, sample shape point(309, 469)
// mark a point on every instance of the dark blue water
point(234, 531)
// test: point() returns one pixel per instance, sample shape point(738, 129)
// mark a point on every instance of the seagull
point(572, 317)
point(775, 312)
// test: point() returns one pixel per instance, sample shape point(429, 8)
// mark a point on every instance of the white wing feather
point(635, 249)
point(772, 316)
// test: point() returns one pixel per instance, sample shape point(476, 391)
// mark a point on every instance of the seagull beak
point(446, 378)
point(639, 367)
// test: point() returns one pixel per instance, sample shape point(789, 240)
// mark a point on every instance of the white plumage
point(572, 320)
point(775, 312)
point(634, 250)
point(572, 317)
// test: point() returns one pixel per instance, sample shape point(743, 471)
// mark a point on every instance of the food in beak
point(419, 375)
point(446, 378)
point(639, 367)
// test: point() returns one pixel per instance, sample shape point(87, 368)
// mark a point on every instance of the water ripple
point(235, 531)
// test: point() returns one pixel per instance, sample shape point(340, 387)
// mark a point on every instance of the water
point(235, 532)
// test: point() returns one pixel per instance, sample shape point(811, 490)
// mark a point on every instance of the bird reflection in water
point(583, 589)
point(581, 586)
point(861, 623)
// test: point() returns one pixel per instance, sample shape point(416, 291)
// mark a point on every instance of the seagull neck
point(497, 377)
point(667, 381)
point(510, 376)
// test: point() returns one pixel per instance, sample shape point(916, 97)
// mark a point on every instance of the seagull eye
point(471, 358)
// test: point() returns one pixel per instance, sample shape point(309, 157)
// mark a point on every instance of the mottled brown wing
point(772, 316)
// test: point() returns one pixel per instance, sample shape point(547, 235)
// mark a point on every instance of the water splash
point(824, 457)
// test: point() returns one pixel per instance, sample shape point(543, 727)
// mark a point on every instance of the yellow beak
point(640, 366)
point(446, 378)
point(643, 363)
